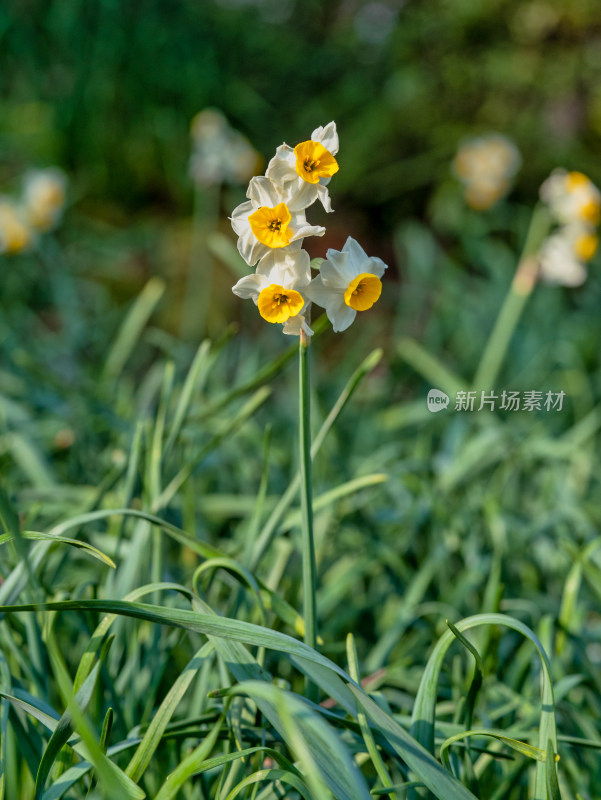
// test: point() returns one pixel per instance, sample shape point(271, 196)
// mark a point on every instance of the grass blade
point(432, 774)
point(132, 327)
point(40, 536)
point(324, 759)
point(152, 738)
point(423, 716)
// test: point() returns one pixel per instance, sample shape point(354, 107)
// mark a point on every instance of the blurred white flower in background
point(575, 205)
point(44, 195)
point(558, 263)
point(572, 197)
point(220, 154)
point(486, 165)
point(374, 22)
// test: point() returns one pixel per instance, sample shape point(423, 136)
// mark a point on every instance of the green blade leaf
point(324, 759)
point(47, 537)
point(432, 774)
point(423, 716)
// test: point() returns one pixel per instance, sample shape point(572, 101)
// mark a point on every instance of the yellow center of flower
point(277, 304)
point(585, 246)
point(15, 236)
point(576, 180)
point(363, 292)
point(313, 161)
point(590, 210)
point(270, 225)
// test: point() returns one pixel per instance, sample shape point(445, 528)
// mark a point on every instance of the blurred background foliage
point(107, 90)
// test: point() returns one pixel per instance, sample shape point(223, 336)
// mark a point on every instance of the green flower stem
point(520, 290)
point(308, 545)
point(199, 278)
point(499, 339)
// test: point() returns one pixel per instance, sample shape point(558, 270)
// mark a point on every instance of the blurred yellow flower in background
point(15, 234)
point(486, 165)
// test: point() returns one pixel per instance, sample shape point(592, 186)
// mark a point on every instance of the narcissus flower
point(271, 218)
point(572, 197)
point(308, 167)
point(16, 235)
point(278, 289)
point(349, 281)
point(270, 228)
point(44, 193)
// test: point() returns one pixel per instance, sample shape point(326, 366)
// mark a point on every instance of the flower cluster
point(271, 227)
point(575, 204)
point(220, 154)
point(38, 210)
point(486, 166)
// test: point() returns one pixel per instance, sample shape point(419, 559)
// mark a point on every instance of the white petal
point(300, 194)
point(327, 136)
point(356, 254)
point(375, 266)
point(340, 315)
point(239, 218)
point(249, 287)
point(324, 196)
point(319, 293)
point(267, 265)
point(285, 267)
point(263, 192)
point(299, 264)
point(282, 167)
point(336, 270)
point(306, 328)
point(360, 262)
point(294, 325)
point(299, 227)
point(250, 248)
